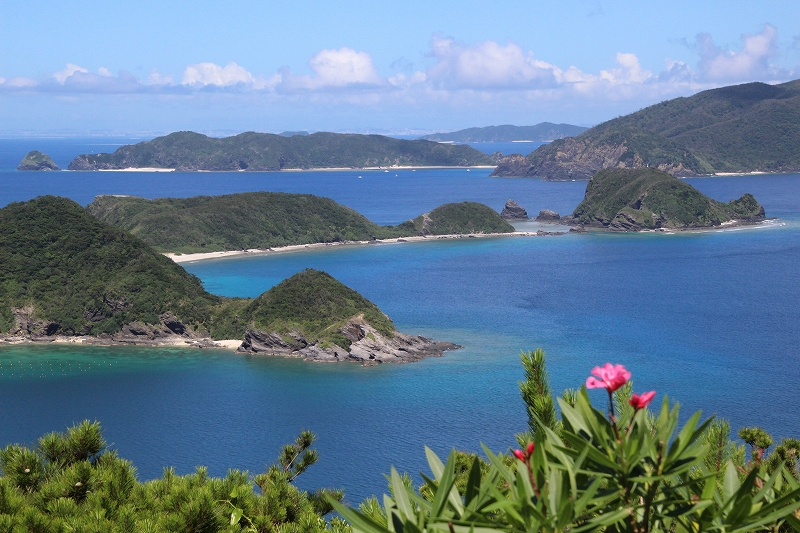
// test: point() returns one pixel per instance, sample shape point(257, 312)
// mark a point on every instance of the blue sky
point(158, 66)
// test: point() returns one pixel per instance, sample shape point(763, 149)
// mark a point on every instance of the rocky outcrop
point(513, 166)
point(546, 215)
point(37, 161)
point(367, 346)
point(513, 211)
point(169, 330)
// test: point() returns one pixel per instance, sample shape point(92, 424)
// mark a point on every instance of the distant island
point(189, 151)
point(71, 277)
point(37, 161)
point(542, 132)
point(754, 127)
point(262, 220)
point(649, 199)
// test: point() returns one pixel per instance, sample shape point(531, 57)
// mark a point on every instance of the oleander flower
point(640, 402)
point(519, 455)
point(530, 448)
point(611, 377)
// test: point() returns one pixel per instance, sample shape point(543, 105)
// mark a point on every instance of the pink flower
point(640, 402)
point(530, 449)
point(611, 377)
point(519, 455)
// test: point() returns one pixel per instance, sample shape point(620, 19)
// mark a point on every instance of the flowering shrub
point(591, 471)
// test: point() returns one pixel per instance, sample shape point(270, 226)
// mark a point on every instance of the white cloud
point(487, 65)
point(751, 62)
point(627, 71)
point(103, 71)
point(202, 74)
point(334, 69)
point(62, 75)
point(157, 79)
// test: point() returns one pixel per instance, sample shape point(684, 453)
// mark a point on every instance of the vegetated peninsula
point(67, 275)
point(648, 199)
point(754, 127)
point(36, 160)
point(262, 220)
point(189, 151)
point(542, 132)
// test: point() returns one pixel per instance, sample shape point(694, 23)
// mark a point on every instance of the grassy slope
point(746, 127)
point(263, 151)
point(647, 193)
point(265, 220)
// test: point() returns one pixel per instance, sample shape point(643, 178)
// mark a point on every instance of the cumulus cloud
point(751, 62)
point(487, 65)
point(334, 69)
point(62, 75)
point(103, 71)
point(202, 74)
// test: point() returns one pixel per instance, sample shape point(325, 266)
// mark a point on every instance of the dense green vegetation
point(70, 482)
point(36, 160)
point(741, 128)
point(264, 220)
point(72, 274)
point(82, 276)
point(544, 131)
point(460, 218)
point(316, 305)
point(648, 198)
point(238, 221)
point(251, 151)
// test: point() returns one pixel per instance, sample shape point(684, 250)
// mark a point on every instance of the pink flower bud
point(530, 448)
point(519, 455)
point(640, 402)
point(611, 377)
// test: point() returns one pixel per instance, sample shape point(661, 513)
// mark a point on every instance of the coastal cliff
point(753, 127)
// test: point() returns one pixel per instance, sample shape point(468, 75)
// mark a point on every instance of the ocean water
point(709, 319)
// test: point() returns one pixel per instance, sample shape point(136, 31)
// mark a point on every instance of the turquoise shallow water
point(708, 318)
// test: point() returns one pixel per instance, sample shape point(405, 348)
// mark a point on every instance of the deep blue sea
point(708, 318)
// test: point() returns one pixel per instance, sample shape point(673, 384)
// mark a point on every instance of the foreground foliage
point(71, 483)
point(629, 470)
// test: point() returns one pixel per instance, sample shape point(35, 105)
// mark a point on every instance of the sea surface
point(709, 319)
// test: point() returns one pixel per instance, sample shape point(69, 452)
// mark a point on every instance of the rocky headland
point(753, 127)
point(650, 199)
point(37, 161)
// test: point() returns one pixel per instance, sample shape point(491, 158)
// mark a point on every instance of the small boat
point(386, 171)
point(359, 177)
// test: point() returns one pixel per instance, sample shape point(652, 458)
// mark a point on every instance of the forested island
point(262, 220)
point(646, 199)
point(542, 132)
point(753, 127)
point(189, 151)
point(67, 274)
point(36, 160)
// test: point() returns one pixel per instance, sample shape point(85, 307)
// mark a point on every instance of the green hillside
point(315, 305)
point(78, 275)
point(741, 128)
point(542, 132)
point(251, 151)
point(460, 218)
point(636, 199)
point(265, 220)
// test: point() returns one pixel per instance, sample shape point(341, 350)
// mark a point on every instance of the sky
point(88, 67)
